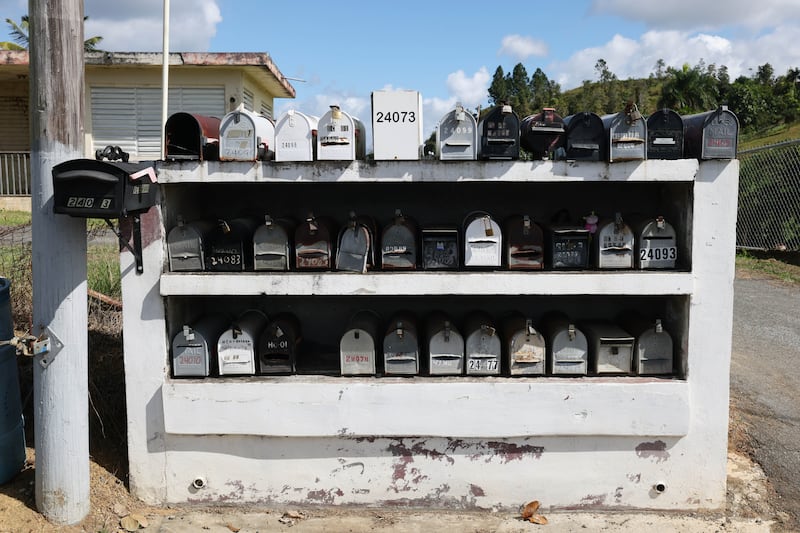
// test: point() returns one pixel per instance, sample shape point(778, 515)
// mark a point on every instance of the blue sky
point(449, 50)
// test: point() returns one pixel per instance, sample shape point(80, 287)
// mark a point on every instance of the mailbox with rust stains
point(584, 138)
point(483, 241)
point(665, 135)
point(653, 347)
point(356, 243)
point(401, 346)
point(186, 245)
point(440, 248)
point(626, 134)
point(498, 134)
point(445, 346)
point(230, 245)
point(340, 136)
point(568, 243)
point(614, 244)
point(359, 345)
point(272, 244)
point(399, 244)
point(567, 347)
point(296, 137)
point(540, 134)
point(482, 345)
point(527, 350)
point(524, 243)
point(194, 347)
point(313, 247)
point(711, 135)
point(656, 244)
point(236, 347)
point(610, 346)
point(190, 136)
point(457, 135)
point(246, 136)
point(277, 345)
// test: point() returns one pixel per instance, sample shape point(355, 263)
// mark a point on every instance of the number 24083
point(395, 116)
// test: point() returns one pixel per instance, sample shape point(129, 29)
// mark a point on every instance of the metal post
point(60, 377)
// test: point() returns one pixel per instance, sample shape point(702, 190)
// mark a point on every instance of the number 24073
point(395, 116)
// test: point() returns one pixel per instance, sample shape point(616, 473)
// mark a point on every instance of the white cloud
point(522, 47)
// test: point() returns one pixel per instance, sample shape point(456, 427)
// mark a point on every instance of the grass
point(765, 264)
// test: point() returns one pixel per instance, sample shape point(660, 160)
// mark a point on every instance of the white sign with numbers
point(397, 125)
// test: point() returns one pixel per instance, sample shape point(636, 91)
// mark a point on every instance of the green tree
point(544, 91)
point(498, 90)
point(689, 89)
point(20, 40)
point(521, 94)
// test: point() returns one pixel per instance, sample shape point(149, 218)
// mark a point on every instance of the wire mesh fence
point(769, 198)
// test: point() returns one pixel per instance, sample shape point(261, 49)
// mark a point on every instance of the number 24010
point(395, 116)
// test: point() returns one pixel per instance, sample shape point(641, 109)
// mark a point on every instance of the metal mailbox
point(711, 135)
point(397, 125)
point(445, 346)
point(296, 137)
point(524, 243)
point(194, 347)
point(246, 136)
point(230, 245)
point(340, 136)
point(457, 136)
point(482, 345)
point(277, 345)
point(567, 347)
point(272, 244)
point(614, 244)
point(356, 240)
point(401, 346)
point(498, 134)
point(186, 245)
point(483, 241)
point(626, 134)
point(584, 137)
point(665, 135)
point(568, 244)
point(656, 244)
point(236, 347)
point(359, 347)
point(653, 347)
point(399, 244)
point(440, 248)
point(540, 134)
point(190, 136)
point(527, 350)
point(611, 348)
point(313, 246)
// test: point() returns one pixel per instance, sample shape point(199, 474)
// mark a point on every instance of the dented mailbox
point(614, 244)
point(540, 134)
point(399, 244)
point(526, 346)
point(482, 345)
point(277, 345)
point(359, 345)
point(272, 244)
point(653, 347)
point(295, 137)
point(626, 134)
point(483, 241)
point(190, 136)
point(340, 136)
point(567, 347)
point(524, 243)
point(611, 348)
point(440, 248)
point(711, 135)
point(665, 135)
point(356, 240)
point(457, 136)
point(568, 245)
point(498, 134)
point(445, 346)
point(186, 245)
point(230, 245)
point(246, 136)
point(312, 244)
point(194, 347)
point(584, 138)
point(236, 347)
point(656, 244)
point(401, 346)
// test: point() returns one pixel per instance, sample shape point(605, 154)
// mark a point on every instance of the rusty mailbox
point(401, 346)
point(194, 347)
point(272, 244)
point(653, 347)
point(665, 135)
point(457, 135)
point(540, 134)
point(568, 243)
point(626, 134)
point(527, 350)
point(711, 135)
point(482, 345)
point(656, 244)
point(483, 241)
point(567, 347)
point(278, 344)
point(614, 244)
point(236, 347)
point(296, 137)
point(190, 136)
point(440, 248)
point(313, 247)
point(498, 134)
point(340, 136)
point(584, 138)
point(355, 251)
point(359, 346)
point(524, 243)
point(399, 244)
point(611, 348)
point(445, 346)
point(230, 245)
point(186, 245)
point(246, 136)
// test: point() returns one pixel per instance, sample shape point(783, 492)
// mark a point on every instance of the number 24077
point(395, 116)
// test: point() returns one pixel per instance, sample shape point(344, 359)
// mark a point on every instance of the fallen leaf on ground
point(233, 528)
point(141, 519)
point(129, 523)
point(538, 519)
point(530, 509)
point(119, 510)
point(294, 514)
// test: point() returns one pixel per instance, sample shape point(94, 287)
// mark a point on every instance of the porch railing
point(15, 173)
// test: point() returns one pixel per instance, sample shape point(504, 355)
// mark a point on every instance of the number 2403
point(396, 116)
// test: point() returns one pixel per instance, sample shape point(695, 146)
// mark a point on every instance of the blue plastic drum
point(12, 430)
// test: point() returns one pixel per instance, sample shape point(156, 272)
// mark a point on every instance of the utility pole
point(60, 377)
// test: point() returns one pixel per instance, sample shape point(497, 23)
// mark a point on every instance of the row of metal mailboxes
point(500, 133)
point(245, 244)
point(254, 344)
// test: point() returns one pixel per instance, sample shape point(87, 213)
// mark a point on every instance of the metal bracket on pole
point(49, 345)
point(136, 250)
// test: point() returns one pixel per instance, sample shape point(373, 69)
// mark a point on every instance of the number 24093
point(395, 116)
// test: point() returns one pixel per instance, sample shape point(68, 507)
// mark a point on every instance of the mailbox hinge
point(136, 250)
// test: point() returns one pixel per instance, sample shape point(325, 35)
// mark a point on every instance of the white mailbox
point(457, 135)
point(236, 347)
point(482, 345)
point(526, 346)
point(567, 347)
point(246, 136)
point(657, 245)
point(483, 241)
point(401, 346)
point(359, 345)
point(296, 137)
point(614, 244)
point(397, 125)
point(340, 137)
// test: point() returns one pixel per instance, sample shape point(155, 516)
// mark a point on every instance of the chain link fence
point(769, 198)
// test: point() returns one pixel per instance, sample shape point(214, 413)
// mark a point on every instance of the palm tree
point(20, 40)
point(689, 90)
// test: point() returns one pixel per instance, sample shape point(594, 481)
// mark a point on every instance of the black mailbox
point(665, 135)
point(499, 134)
point(584, 137)
point(711, 135)
point(541, 133)
point(192, 136)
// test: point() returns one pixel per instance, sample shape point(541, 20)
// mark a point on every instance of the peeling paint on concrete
point(323, 496)
point(618, 495)
point(657, 449)
point(593, 500)
point(508, 451)
point(635, 478)
point(475, 490)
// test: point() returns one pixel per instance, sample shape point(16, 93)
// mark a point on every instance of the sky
point(339, 52)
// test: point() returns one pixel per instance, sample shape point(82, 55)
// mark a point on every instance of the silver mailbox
point(272, 244)
point(401, 346)
point(653, 347)
point(340, 136)
point(527, 350)
point(230, 245)
point(656, 244)
point(567, 348)
point(524, 243)
point(482, 345)
point(355, 250)
point(296, 137)
point(614, 244)
point(246, 136)
point(277, 345)
point(195, 346)
point(186, 244)
point(457, 135)
point(611, 348)
point(236, 347)
point(358, 347)
point(440, 248)
point(626, 134)
point(445, 346)
point(399, 244)
point(483, 241)
point(711, 135)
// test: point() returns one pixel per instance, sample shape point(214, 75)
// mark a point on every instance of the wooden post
point(60, 377)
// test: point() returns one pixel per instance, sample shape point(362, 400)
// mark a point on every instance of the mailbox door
point(272, 245)
point(615, 244)
point(612, 348)
point(483, 242)
point(236, 347)
point(457, 136)
point(711, 135)
point(584, 137)
point(569, 247)
point(295, 137)
point(524, 244)
point(665, 135)
point(482, 346)
point(355, 243)
point(313, 245)
point(230, 246)
point(401, 347)
point(358, 347)
point(445, 347)
point(499, 134)
point(568, 350)
point(277, 346)
point(658, 247)
point(540, 134)
point(526, 347)
point(186, 246)
point(399, 245)
point(440, 249)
